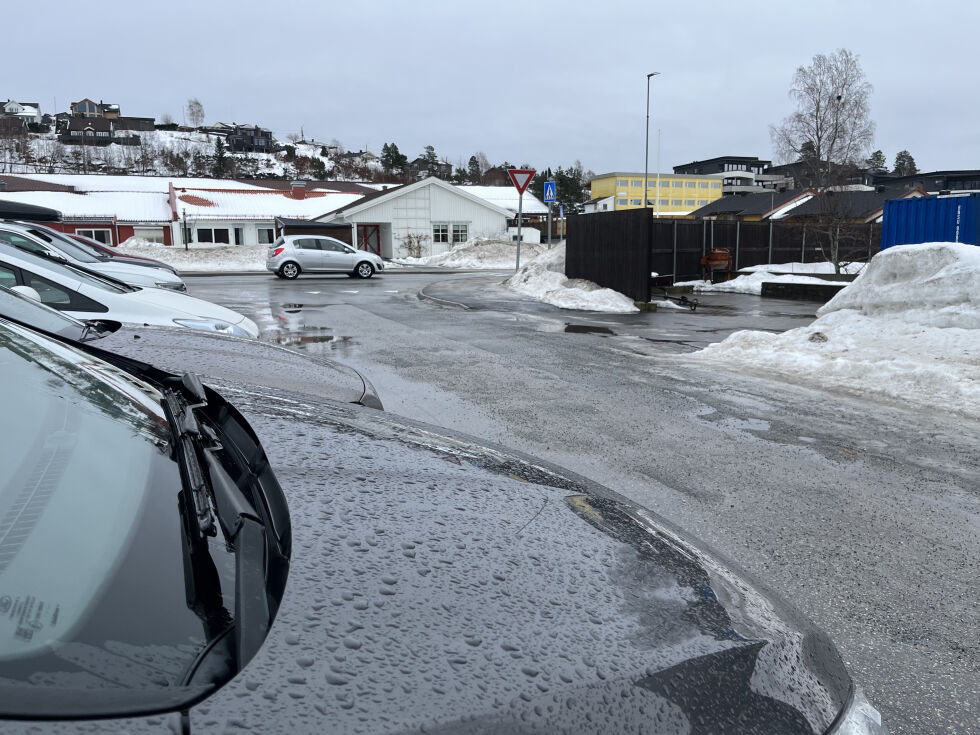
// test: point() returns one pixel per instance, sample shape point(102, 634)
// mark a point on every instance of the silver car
point(291, 255)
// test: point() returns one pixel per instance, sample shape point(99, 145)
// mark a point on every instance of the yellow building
point(677, 195)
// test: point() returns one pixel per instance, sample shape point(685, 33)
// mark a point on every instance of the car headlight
point(860, 718)
point(213, 325)
point(172, 285)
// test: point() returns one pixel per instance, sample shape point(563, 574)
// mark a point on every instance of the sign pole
point(521, 177)
point(520, 216)
point(549, 225)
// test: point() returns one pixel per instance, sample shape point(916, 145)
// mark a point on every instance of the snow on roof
point(159, 184)
point(506, 197)
point(127, 206)
point(242, 204)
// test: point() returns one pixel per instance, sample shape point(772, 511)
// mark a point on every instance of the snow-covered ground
point(908, 327)
point(202, 257)
point(543, 279)
point(477, 253)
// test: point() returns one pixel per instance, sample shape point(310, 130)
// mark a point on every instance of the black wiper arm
point(240, 523)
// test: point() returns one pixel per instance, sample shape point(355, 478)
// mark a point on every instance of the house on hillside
point(934, 182)
point(428, 214)
point(739, 174)
point(29, 112)
point(88, 108)
point(420, 167)
point(250, 139)
point(96, 131)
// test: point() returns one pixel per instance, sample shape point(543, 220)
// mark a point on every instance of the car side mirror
point(27, 291)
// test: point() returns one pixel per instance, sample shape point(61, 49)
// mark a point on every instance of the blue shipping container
point(931, 219)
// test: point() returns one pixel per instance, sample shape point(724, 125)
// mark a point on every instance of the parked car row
point(202, 532)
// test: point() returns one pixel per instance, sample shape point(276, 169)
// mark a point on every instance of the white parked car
point(47, 242)
point(87, 295)
point(291, 255)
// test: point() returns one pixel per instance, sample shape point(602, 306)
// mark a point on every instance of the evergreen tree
point(219, 161)
point(430, 160)
point(877, 161)
point(473, 172)
point(393, 161)
point(905, 164)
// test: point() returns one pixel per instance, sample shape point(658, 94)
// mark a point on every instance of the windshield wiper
point(213, 498)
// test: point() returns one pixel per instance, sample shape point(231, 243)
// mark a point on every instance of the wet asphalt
point(863, 512)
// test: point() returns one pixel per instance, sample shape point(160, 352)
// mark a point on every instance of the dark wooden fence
point(622, 250)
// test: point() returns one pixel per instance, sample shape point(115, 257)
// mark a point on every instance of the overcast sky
point(543, 83)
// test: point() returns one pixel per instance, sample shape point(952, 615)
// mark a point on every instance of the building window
point(621, 202)
point(605, 207)
point(150, 234)
point(676, 202)
point(440, 233)
point(715, 185)
point(702, 202)
point(665, 202)
point(692, 184)
point(678, 184)
point(216, 235)
point(102, 134)
point(103, 236)
point(266, 235)
point(622, 182)
point(688, 202)
point(459, 233)
point(635, 202)
point(635, 183)
point(702, 184)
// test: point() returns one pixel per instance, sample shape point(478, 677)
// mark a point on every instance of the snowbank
point(543, 279)
point(908, 327)
point(479, 252)
point(771, 273)
point(200, 256)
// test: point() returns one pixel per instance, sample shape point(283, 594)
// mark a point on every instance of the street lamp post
point(646, 155)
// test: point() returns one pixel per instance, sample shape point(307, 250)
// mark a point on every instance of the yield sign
point(521, 177)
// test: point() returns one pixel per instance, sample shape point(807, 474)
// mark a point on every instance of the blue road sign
point(549, 191)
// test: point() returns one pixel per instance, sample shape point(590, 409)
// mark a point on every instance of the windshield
point(72, 249)
point(95, 614)
point(65, 270)
point(33, 313)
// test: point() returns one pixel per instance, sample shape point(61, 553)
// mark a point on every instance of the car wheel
point(289, 270)
point(364, 270)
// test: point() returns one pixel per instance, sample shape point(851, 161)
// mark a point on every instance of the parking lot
point(862, 512)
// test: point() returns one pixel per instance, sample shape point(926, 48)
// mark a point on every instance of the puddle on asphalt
point(304, 339)
point(586, 329)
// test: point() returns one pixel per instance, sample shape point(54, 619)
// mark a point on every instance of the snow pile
point(479, 252)
point(751, 283)
point(543, 279)
point(907, 327)
point(200, 256)
point(780, 273)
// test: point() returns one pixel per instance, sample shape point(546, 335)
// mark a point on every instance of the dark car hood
point(440, 586)
point(145, 262)
point(241, 361)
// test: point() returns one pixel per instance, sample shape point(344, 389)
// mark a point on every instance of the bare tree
point(827, 136)
point(831, 128)
point(195, 112)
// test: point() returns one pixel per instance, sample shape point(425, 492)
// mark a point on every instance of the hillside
point(180, 153)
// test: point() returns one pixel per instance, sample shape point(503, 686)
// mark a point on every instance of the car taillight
point(277, 251)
